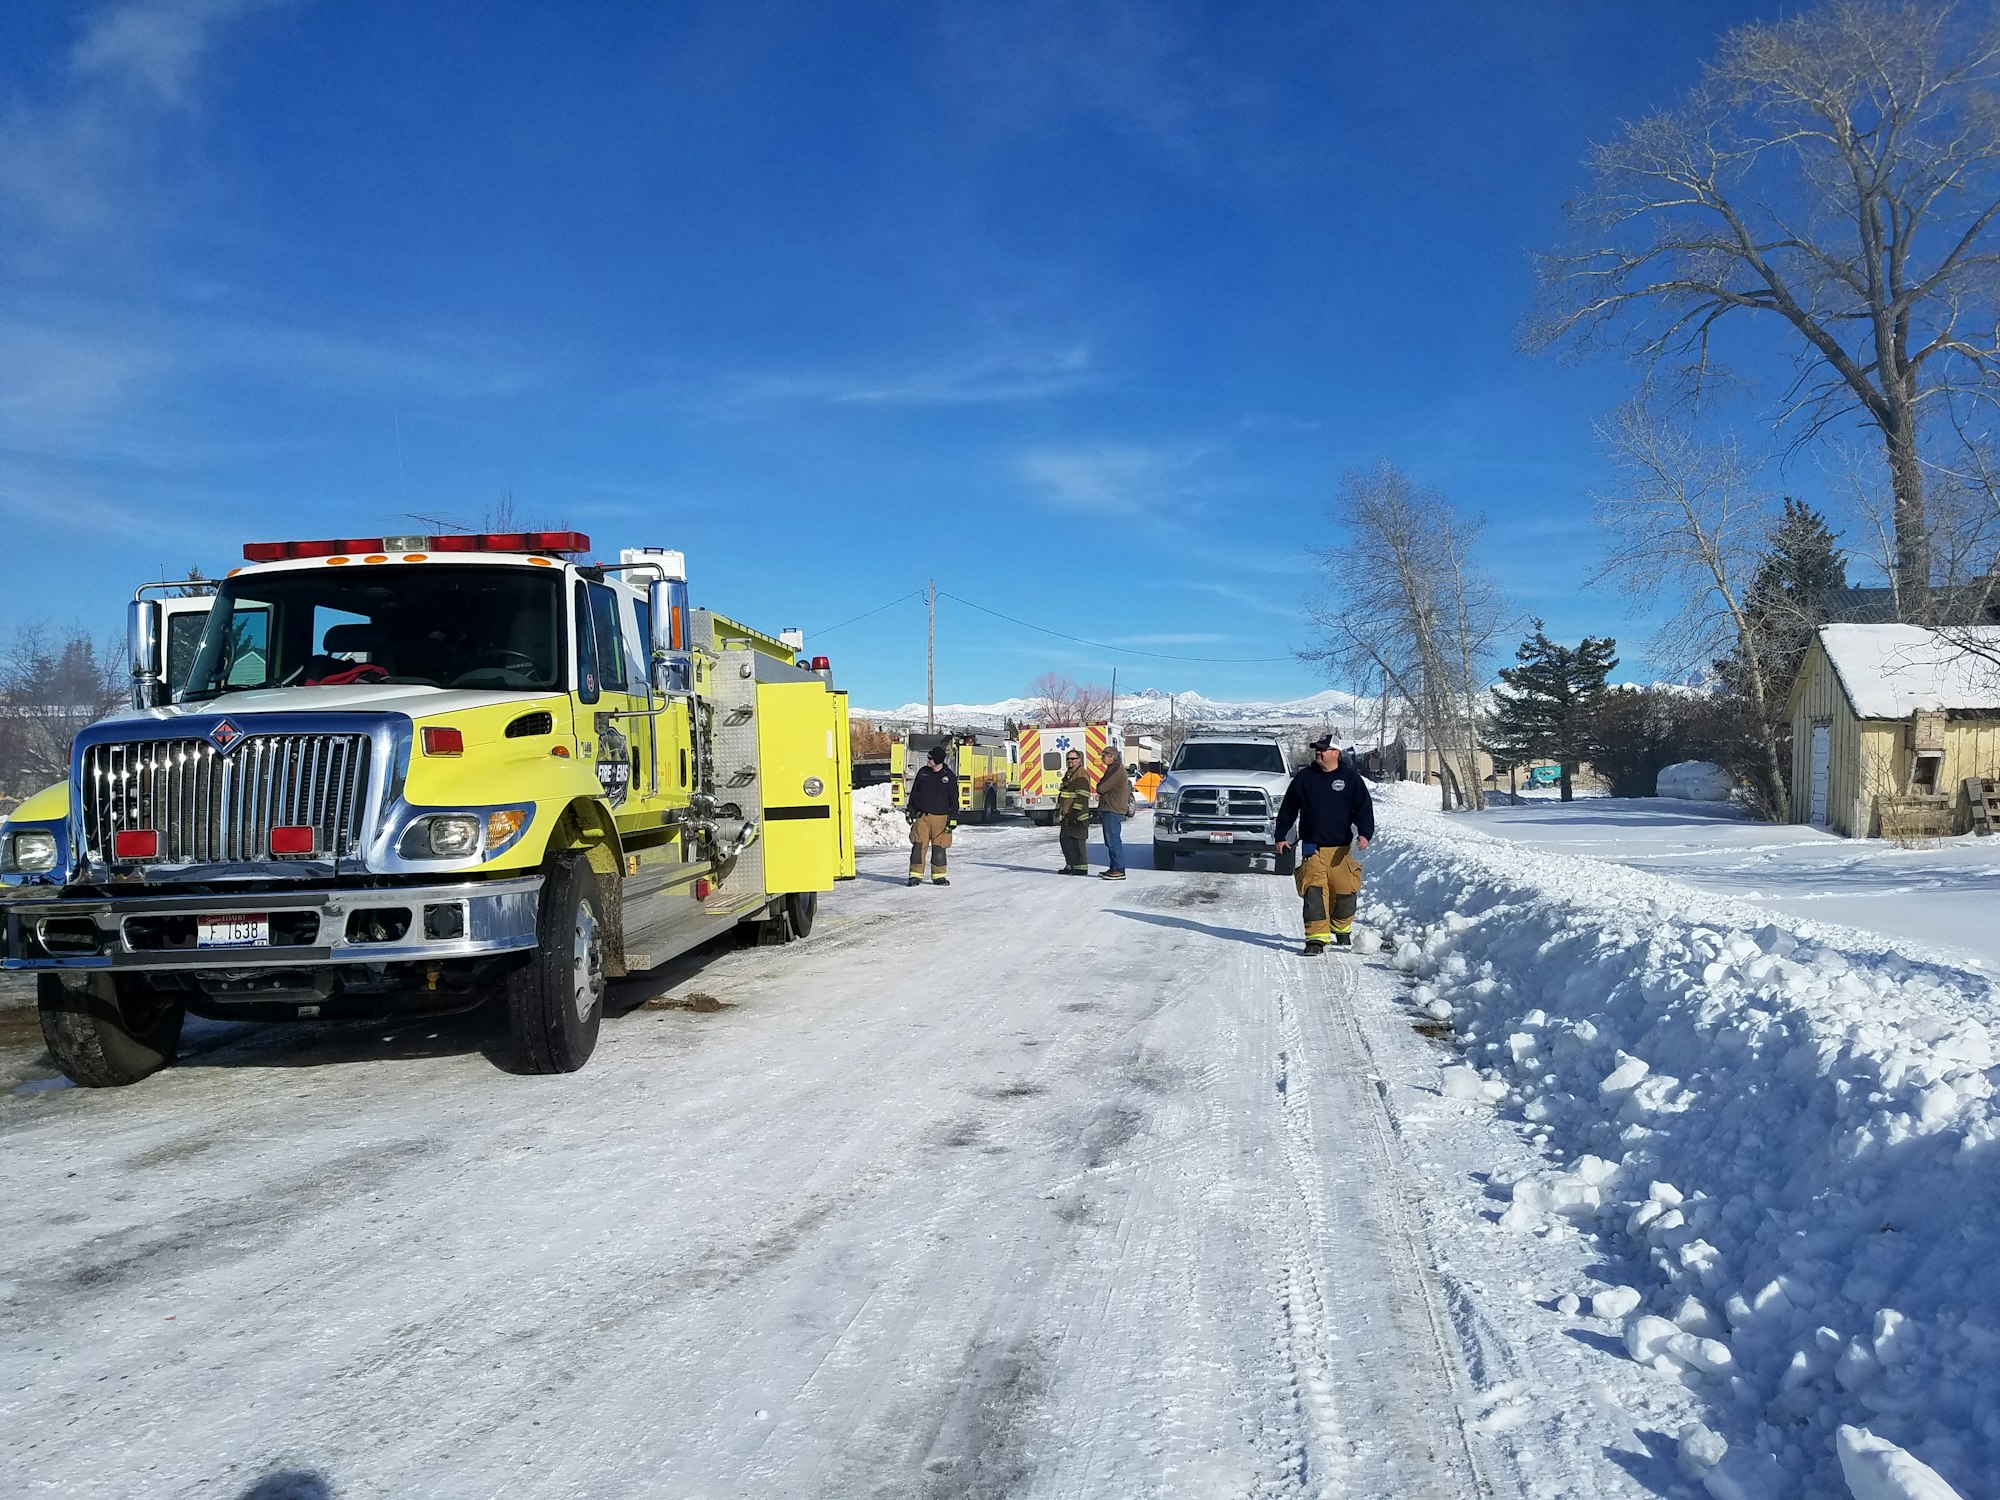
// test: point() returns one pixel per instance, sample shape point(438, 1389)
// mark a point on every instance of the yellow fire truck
point(987, 769)
point(403, 774)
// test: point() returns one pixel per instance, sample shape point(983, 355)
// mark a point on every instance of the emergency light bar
point(558, 543)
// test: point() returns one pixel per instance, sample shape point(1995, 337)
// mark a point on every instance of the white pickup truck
point(1221, 796)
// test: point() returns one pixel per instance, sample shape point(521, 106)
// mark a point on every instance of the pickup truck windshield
point(437, 626)
point(1197, 756)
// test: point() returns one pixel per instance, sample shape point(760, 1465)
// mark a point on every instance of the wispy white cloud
point(1003, 373)
point(68, 159)
point(1109, 477)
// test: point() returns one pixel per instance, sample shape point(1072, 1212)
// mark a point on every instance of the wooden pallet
point(1982, 796)
point(1917, 815)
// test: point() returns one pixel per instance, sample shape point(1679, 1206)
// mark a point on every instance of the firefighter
point(1073, 814)
point(1336, 816)
point(933, 813)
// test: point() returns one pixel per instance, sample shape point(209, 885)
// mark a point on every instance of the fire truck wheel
point(555, 1001)
point(802, 907)
point(108, 1030)
point(992, 809)
point(1163, 856)
point(1043, 819)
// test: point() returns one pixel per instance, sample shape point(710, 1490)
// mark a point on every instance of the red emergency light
point(558, 543)
point(136, 843)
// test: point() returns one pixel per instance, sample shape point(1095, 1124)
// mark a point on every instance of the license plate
point(233, 932)
point(1222, 838)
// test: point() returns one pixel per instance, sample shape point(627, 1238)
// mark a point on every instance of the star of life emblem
point(1062, 742)
point(223, 735)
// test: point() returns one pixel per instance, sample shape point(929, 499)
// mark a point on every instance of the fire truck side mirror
point(144, 639)
point(673, 664)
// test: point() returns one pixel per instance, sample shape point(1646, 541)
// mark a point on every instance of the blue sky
point(1079, 307)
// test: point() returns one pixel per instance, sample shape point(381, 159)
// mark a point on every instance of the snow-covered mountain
point(1330, 707)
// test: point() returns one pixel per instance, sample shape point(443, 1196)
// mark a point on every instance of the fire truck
point(1042, 750)
point(987, 768)
point(407, 774)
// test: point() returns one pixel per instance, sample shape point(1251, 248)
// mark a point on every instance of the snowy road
point(1024, 1187)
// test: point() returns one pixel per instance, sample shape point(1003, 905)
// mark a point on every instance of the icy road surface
point(1025, 1187)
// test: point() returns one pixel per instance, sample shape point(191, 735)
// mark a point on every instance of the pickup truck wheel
point(555, 1001)
point(802, 907)
point(1163, 856)
point(1286, 863)
point(107, 1031)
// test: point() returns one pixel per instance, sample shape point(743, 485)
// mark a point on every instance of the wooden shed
point(1889, 722)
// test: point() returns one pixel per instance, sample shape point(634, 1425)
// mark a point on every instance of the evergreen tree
point(1545, 711)
point(1786, 603)
point(1784, 607)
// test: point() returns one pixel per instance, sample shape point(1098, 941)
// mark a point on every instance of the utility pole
point(1112, 717)
point(930, 670)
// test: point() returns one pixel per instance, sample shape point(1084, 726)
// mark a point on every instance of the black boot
point(916, 880)
point(1314, 947)
point(1345, 939)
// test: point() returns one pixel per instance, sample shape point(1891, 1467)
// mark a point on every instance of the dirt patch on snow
point(699, 1001)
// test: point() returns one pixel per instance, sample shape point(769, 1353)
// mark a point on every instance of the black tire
point(1043, 819)
point(801, 907)
point(108, 1031)
point(1285, 863)
point(1163, 856)
point(992, 808)
point(555, 1001)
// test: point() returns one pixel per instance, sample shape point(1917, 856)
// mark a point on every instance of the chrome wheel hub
point(586, 962)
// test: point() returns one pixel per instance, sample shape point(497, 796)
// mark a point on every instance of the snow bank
point(877, 825)
point(1696, 781)
point(1790, 1144)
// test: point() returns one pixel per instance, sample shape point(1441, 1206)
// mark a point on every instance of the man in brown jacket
point(1114, 806)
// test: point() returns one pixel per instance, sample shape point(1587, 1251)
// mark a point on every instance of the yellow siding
point(1871, 758)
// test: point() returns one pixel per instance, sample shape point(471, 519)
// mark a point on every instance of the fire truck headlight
point(450, 836)
point(30, 852)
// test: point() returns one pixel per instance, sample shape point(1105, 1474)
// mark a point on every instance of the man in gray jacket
point(1114, 806)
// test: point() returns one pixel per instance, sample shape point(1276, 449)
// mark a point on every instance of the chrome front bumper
point(153, 932)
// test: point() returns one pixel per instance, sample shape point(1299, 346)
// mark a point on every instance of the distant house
point(1888, 721)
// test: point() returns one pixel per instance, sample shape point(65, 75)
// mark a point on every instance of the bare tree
point(1056, 699)
point(1417, 617)
point(51, 687)
point(1837, 172)
point(1688, 516)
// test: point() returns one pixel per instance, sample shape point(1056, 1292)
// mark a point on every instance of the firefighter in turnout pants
point(1336, 816)
point(1073, 815)
point(933, 813)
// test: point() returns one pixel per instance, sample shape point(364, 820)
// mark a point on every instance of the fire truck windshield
point(431, 625)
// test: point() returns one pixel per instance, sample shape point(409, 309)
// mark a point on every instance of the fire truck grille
point(210, 808)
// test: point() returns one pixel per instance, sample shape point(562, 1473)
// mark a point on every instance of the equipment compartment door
point(799, 775)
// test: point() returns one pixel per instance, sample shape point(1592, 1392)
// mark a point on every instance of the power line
point(1231, 661)
point(829, 629)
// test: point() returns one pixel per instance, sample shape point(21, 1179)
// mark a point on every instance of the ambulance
point(409, 774)
point(1042, 751)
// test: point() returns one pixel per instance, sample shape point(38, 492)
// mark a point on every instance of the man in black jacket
point(933, 813)
point(1336, 816)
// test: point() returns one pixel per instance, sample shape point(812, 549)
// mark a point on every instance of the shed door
point(1822, 762)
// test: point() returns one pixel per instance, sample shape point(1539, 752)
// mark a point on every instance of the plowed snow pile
point(1787, 1144)
point(877, 825)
